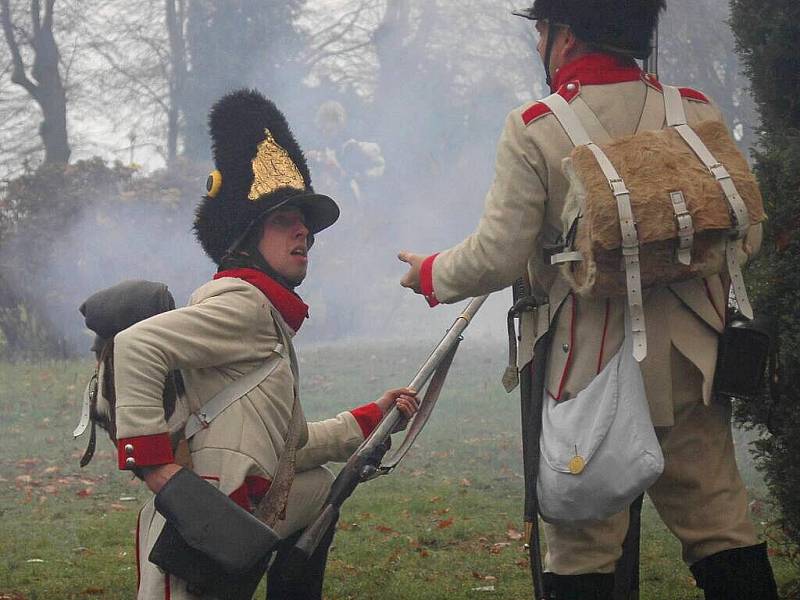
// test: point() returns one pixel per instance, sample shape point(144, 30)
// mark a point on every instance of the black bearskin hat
point(624, 26)
point(260, 168)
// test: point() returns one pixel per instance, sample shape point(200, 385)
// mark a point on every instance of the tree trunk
point(48, 89)
point(53, 98)
point(53, 129)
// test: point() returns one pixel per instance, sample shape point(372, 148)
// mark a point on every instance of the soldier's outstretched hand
point(411, 278)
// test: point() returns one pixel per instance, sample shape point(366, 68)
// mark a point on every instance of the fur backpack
point(655, 208)
point(106, 313)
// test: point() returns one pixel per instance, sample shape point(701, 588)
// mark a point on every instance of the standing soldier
point(257, 223)
point(588, 48)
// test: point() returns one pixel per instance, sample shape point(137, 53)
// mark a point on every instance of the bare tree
point(44, 85)
point(134, 62)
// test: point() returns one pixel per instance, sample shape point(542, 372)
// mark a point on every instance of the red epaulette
point(568, 91)
point(691, 94)
point(688, 93)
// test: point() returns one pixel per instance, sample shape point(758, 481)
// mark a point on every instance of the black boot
point(592, 586)
point(739, 573)
point(291, 577)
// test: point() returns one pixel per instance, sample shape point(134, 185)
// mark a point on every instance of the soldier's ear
point(570, 42)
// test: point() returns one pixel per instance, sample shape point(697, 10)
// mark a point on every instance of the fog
point(398, 105)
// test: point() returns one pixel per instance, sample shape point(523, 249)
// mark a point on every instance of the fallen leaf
point(384, 529)
point(465, 482)
point(50, 470)
point(436, 499)
point(93, 591)
point(498, 548)
point(513, 534)
point(445, 523)
point(84, 493)
point(119, 507)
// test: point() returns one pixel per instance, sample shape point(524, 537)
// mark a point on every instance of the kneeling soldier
point(257, 223)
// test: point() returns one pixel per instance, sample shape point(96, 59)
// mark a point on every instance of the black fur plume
point(237, 124)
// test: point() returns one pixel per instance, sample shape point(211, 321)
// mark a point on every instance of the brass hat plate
point(273, 169)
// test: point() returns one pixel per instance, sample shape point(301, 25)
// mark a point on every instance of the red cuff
point(426, 280)
point(367, 417)
point(144, 451)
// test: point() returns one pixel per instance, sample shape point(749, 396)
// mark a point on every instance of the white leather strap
point(740, 218)
point(231, 393)
point(89, 397)
point(673, 106)
point(564, 257)
point(685, 228)
point(568, 119)
point(737, 279)
point(630, 239)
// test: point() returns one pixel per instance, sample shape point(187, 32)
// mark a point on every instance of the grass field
point(446, 524)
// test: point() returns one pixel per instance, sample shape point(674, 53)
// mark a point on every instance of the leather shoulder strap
point(630, 238)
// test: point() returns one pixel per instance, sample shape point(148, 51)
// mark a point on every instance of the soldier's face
point(284, 243)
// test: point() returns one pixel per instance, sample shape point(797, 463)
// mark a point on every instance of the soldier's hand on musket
point(404, 398)
point(411, 278)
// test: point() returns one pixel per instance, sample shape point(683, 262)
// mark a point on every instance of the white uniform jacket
point(225, 331)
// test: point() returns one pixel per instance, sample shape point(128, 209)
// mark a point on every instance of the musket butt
point(312, 536)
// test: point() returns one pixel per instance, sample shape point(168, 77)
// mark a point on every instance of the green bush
point(64, 232)
point(767, 35)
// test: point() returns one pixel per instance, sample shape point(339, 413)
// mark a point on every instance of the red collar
point(292, 308)
point(598, 69)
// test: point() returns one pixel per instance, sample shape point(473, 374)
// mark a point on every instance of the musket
point(367, 462)
point(531, 382)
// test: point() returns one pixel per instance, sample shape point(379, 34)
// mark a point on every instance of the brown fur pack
point(653, 164)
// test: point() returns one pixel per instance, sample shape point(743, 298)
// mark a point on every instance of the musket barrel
point(393, 417)
point(352, 473)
